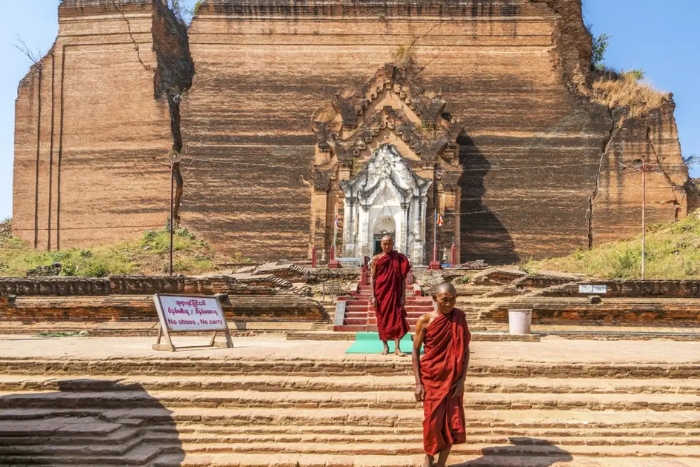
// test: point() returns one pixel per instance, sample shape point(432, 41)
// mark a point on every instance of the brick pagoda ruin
point(483, 109)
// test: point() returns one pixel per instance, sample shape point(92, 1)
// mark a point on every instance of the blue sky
point(661, 40)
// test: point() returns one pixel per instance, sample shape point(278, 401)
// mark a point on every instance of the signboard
point(593, 289)
point(180, 313)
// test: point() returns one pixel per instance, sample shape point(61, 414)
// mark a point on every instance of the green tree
point(600, 45)
point(637, 74)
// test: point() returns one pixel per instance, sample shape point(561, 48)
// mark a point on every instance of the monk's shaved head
point(387, 244)
point(446, 287)
point(445, 296)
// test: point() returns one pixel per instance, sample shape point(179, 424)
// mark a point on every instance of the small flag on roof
point(439, 220)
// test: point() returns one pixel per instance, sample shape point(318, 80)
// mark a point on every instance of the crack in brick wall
point(671, 183)
point(131, 35)
point(173, 77)
point(607, 142)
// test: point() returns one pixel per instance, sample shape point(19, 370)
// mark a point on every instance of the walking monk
point(440, 374)
point(388, 286)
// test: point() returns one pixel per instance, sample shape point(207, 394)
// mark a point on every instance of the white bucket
point(519, 321)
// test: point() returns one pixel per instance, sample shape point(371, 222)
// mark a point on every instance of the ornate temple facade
point(385, 198)
point(386, 160)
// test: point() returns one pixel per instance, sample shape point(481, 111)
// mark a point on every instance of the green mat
point(369, 343)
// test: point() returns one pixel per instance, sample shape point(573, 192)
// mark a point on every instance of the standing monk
point(388, 286)
point(440, 374)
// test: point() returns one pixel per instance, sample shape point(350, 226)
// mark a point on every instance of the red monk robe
point(446, 339)
point(391, 271)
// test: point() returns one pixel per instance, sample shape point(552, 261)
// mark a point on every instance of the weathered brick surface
point(535, 180)
point(129, 299)
point(138, 285)
point(617, 205)
point(135, 308)
point(92, 178)
point(611, 311)
point(53, 286)
point(616, 289)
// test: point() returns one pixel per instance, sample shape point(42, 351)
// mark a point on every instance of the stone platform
point(273, 402)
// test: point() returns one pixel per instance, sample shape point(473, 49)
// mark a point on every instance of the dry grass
point(5, 230)
point(624, 90)
point(672, 252)
point(325, 115)
point(149, 255)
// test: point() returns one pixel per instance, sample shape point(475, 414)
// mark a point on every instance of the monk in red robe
point(440, 374)
point(388, 286)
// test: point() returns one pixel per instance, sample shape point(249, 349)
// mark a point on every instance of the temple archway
point(386, 196)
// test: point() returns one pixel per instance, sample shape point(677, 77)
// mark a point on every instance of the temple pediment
point(388, 109)
point(386, 170)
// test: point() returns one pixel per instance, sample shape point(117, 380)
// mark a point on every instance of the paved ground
point(550, 349)
point(362, 420)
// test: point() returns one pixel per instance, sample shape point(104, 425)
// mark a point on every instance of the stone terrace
point(273, 402)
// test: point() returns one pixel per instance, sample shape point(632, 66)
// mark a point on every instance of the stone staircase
point(360, 315)
point(340, 412)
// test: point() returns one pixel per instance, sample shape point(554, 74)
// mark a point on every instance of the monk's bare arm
point(403, 295)
point(466, 353)
point(421, 326)
point(372, 276)
point(459, 385)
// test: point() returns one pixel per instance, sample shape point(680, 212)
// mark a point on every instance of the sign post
point(174, 158)
point(178, 313)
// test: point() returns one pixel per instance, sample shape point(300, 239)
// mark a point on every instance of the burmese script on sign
point(192, 313)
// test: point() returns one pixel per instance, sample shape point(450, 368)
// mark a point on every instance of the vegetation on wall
point(600, 45)
point(149, 255)
point(625, 89)
point(672, 252)
point(403, 56)
point(620, 88)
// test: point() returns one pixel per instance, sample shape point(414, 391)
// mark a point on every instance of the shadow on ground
point(88, 422)
point(523, 451)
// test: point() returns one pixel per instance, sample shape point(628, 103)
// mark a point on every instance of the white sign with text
point(593, 289)
point(196, 313)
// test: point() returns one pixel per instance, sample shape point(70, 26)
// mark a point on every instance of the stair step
point(411, 441)
point(359, 314)
point(652, 451)
point(140, 455)
point(370, 400)
point(474, 383)
point(72, 449)
point(321, 460)
point(120, 436)
point(342, 417)
point(345, 365)
point(388, 432)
